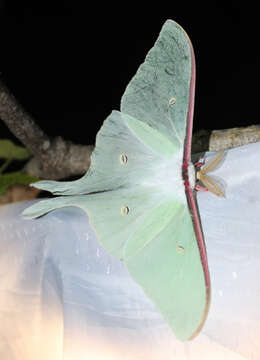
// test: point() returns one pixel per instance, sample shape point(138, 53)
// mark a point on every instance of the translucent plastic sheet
point(62, 296)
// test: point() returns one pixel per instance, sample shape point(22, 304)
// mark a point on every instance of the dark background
point(69, 64)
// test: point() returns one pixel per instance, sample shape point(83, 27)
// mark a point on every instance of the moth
point(139, 191)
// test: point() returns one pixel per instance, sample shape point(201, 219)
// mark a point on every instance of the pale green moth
point(139, 189)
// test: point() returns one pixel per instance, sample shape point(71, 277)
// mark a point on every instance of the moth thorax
point(191, 175)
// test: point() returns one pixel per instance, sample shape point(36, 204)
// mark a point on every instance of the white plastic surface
point(62, 296)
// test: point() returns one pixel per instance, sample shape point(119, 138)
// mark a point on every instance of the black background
point(69, 64)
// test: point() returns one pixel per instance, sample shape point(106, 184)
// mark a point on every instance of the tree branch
point(53, 158)
point(57, 159)
point(65, 159)
point(21, 123)
point(231, 138)
point(216, 140)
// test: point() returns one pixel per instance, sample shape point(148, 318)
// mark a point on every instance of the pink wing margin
point(190, 192)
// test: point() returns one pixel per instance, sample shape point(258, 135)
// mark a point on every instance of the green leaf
point(9, 179)
point(8, 150)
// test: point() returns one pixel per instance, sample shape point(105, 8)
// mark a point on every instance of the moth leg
point(200, 188)
point(200, 162)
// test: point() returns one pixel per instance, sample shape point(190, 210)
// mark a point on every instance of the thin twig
point(5, 165)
